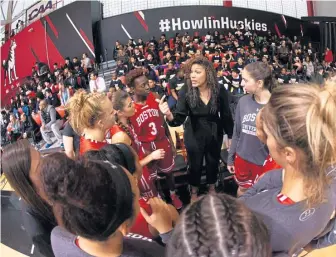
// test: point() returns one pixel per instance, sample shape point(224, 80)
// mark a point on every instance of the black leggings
point(211, 152)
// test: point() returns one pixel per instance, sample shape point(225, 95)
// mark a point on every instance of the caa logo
point(307, 214)
point(39, 10)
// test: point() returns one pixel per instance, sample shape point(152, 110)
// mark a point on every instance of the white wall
point(325, 8)
point(294, 8)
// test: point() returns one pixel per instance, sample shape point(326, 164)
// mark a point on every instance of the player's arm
point(121, 137)
point(165, 125)
point(155, 155)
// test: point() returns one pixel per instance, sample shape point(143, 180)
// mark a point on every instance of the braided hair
point(219, 226)
point(119, 99)
point(90, 198)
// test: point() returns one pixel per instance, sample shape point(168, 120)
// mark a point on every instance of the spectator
point(318, 77)
point(51, 122)
point(64, 94)
point(116, 83)
point(86, 63)
point(68, 64)
point(28, 127)
point(236, 83)
point(149, 73)
point(328, 56)
point(155, 88)
point(13, 128)
point(283, 78)
point(121, 69)
point(97, 84)
point(52, 98)
point(176, 83)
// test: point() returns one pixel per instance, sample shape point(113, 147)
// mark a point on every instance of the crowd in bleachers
point(162, 61)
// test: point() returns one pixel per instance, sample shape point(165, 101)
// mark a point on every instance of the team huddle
point(140, 124)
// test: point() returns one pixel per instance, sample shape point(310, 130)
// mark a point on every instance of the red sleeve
point(114, 130)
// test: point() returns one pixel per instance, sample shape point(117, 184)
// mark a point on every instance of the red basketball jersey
point(88, 144)
point(270, 164)
point(135, 143)
point(147, 121)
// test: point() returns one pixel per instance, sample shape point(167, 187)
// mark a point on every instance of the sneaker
point(176, 201)
point(48, 146)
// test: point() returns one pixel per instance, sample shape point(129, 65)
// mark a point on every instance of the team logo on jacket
point(307, 214)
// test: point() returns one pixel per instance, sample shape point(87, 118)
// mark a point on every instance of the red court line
point(87, 40)
point(52, 26)
point(141, 20)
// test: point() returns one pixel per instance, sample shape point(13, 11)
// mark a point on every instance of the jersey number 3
point(153, 127)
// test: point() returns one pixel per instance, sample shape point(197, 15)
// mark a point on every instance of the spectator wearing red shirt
point(328, 55)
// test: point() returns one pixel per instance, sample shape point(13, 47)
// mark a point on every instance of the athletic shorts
point(166, 164)
point(140, 225)
point(246, 173)
point(147, 184)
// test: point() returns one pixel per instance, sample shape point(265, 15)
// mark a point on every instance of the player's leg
point(212, 156)
point(166, 166)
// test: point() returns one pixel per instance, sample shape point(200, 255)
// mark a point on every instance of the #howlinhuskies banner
point(171, 20)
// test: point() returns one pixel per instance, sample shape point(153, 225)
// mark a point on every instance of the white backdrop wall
point(293, 8)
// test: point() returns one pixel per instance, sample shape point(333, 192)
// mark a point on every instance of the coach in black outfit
point(206, 105)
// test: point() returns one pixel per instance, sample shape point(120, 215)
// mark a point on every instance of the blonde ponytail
point(303, 117)
point(84, 110)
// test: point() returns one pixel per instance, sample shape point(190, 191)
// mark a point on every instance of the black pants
point(196, 152)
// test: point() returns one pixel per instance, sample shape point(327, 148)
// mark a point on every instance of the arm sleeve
point(52, 114)
point(182, 109)
point(166, 236)
point(271, 179)
point(68, 131)
point(225, 112)
point(235, 137)
point(326, 240)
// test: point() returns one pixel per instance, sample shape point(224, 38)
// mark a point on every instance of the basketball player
point(151, 128)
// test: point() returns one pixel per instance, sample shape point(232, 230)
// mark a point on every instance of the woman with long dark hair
point(95, 204)
point(20, 162)
point(125, 156)
point(123, 132)
point(206, 106)
point(247, 153)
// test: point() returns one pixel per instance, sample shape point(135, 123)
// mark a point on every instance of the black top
point(134, 245)
point(38, 228)
point(54, 100)
point(69, 132)
point(201, 123)
point(176, 84)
